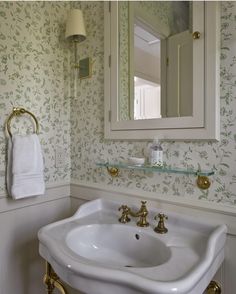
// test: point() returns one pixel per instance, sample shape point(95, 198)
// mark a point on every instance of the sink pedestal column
point(51, 280)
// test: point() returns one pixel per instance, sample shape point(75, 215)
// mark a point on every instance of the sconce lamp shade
point(75, 29)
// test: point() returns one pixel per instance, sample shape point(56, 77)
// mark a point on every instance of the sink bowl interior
point(118, 245)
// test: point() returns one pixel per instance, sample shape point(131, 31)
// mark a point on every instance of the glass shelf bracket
point(203, 181)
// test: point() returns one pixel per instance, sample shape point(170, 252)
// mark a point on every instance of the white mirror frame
point(168, 128)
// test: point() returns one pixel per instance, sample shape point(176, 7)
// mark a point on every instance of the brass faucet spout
point(142, 214)
point(134, 214)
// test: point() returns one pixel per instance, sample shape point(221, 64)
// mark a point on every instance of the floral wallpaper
point(159, 9)
point(174, 15)
point(34, 75)
point(125, 39)
point(87, 140)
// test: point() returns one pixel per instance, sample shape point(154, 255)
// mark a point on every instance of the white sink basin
point(118, 245)
point(95, 254)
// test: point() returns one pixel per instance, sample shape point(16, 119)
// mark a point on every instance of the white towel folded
point(25, 167)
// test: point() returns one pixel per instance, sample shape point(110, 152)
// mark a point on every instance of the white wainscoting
point(21, 267)
point(200, 209)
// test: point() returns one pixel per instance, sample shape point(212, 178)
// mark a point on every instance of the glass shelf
point(164, 169)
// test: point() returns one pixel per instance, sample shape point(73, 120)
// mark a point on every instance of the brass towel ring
point(19, 111)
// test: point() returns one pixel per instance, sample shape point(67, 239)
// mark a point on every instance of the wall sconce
point(75, 32)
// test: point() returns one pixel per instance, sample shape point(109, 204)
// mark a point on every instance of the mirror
point(155, 59)
point(161, 72)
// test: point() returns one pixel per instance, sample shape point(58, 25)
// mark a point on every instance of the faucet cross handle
point(160, 228)
point(125, 214)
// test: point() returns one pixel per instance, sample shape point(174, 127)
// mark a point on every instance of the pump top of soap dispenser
point(156, 144)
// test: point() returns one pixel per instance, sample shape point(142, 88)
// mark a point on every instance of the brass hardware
point(160, 228)
point(142, 214)
point(213, 288)
point(196, 35)
point(203, 182)
point(125, 214)
point(51, 280)
point(17, 111)
point(167, 61)
point(113, 171)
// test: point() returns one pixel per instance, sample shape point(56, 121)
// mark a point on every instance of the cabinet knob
point(196, 35)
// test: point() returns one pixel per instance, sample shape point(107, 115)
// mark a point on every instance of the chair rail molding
point(54, 191)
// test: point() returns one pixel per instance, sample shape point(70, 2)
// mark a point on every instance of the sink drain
point(128, 266)
point(137, 236)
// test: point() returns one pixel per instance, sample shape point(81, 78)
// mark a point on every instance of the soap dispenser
point(156, 154)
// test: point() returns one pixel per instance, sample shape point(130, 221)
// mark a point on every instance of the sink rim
point(59, 256)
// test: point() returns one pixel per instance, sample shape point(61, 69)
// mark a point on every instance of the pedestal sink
point(94, 253)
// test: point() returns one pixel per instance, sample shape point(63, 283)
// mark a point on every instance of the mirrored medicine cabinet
point(161, 70)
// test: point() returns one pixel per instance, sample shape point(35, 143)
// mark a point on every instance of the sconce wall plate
point(85, 68)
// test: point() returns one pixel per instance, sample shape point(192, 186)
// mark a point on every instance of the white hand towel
point(25, 167)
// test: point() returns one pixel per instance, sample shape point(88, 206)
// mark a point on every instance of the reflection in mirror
point(155, 59)
point(147, 73)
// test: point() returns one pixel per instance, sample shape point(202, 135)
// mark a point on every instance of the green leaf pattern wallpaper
point(87, 138)
point(36, 73)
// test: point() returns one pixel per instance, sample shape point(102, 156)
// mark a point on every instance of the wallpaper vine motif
point(88, 145)
point(34, 75)
point(124, 66)
point(35, 72)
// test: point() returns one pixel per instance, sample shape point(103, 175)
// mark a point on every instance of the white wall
point(21, 267)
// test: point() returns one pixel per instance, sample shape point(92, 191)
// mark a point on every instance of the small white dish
point(139, 161)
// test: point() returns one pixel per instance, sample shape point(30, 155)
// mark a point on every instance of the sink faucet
point(160, 228)
point(125, 214)
point(141, 213)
